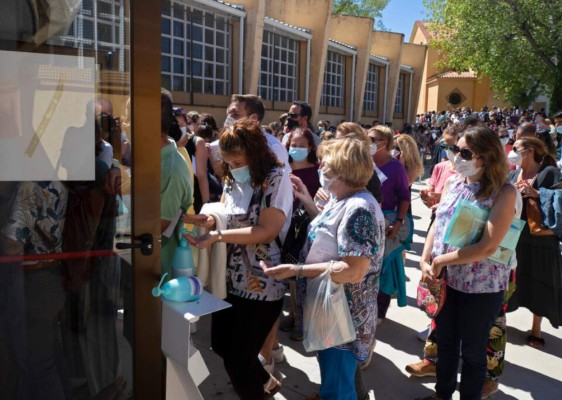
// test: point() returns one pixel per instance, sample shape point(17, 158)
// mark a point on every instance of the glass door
point(78, 227)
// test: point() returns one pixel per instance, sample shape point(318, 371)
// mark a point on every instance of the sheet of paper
point(170, 229)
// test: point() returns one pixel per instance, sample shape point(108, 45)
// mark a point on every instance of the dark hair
point(486, 144)
point(544, 136)
point(312, 158)
point(541, 154)
point(470, 122)
point(204, 131)
point(208, 119)
point(252, 104)
point(557, 115)
point(167, 117)
point(306, 110)
point(245, 136)
point(527, 129)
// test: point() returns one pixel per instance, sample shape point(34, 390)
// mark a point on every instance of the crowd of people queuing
point(291, 202)
point(352, 183)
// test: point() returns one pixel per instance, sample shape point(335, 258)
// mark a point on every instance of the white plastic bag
point(327, 320)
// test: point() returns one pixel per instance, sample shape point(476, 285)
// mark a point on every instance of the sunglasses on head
point(293, 115)
point(465, 153)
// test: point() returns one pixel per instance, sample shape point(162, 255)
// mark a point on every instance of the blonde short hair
point(410, 156)
point(352, 130)
point(386, 133)
point(347, 159)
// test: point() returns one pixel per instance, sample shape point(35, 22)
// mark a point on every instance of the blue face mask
point(241, 175)
point(298, 154)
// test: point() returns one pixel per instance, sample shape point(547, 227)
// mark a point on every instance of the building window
point(370, 102)
point(195, 50)
point(100, 26)
point(334, 79)
point(279, 68)
point(399, 103)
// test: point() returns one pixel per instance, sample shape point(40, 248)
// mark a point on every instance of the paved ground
point(529, 373)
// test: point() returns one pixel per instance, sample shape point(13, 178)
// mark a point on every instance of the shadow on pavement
point(553, 345)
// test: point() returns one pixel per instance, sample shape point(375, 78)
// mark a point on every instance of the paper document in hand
point(467, 226)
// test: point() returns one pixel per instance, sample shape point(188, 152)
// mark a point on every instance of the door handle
point(146, 244)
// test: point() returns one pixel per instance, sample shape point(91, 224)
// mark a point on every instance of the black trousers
point(237, 335)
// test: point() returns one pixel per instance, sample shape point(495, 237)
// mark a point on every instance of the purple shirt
point(395, 189)
point(311, 180)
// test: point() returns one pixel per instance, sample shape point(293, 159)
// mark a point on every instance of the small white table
point(185, 366)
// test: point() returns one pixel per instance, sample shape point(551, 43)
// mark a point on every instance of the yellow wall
point(314, 15)
point(355, 31)
point(389, 44)
point(414, 56)
point(253, 37)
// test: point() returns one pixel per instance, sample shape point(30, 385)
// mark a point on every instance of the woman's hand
point(427, 272)
point(393, 230)
point(203, 241)
point(526, 189)
point(202, 220)
point(299, 189)
point(279, 272)
point(322, 195)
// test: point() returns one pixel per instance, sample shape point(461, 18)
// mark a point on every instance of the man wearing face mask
point(248, 106)
point(299, 116)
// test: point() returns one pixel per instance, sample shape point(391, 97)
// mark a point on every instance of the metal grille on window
point(279, 66)
point(334, 76)
point(370, 101)
point(196, 48)
point(399, 103)
point(100, 26)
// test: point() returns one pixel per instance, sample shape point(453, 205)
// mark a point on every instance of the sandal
point(535, 342)
point(271, 387)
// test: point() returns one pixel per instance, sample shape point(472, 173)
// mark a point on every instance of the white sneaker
point(277, 354)
point(268, 367)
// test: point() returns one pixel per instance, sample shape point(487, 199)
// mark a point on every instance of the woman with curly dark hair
point(257, 205)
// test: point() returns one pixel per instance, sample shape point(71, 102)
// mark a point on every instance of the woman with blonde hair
point(346, 239)
point(406, 151)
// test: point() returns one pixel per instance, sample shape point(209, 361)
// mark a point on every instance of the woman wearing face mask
point(539, 264)
point(442, 171)
point(303, 160)
point(395, 191)
point(346, 238)
point(406, 151)
point(475, 284)
point(257, 204)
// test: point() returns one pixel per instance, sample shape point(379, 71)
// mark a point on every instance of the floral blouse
point(245, 277)
point(352, 227)
point(482, 276)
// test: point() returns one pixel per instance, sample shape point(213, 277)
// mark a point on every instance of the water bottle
point(182, 289)
point(182, 262)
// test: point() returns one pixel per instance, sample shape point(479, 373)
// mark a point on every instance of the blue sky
point(400, 15)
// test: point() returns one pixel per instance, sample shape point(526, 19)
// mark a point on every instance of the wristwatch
point(401, 220)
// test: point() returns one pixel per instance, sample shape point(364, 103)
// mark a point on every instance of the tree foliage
point(517, 43)
point(360, 8)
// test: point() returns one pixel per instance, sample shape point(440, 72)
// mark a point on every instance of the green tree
point(362, 8)
point(517, 43)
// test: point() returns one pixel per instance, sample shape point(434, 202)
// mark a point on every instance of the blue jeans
point(337, 374)
point(464, 325)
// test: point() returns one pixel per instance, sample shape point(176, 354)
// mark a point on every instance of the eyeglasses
point(465, 153)
point(293, 115)
point(515, 150)
point(398, 149)
point(504, 136)
point(375, 140)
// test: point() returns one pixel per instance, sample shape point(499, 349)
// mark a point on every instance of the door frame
point(145, 53)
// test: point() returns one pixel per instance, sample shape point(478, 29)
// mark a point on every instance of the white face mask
point(466, 168)
point(450, 155)
point(394, 153)
point(515, 158)
point(229, 121)
point(373, 148)
point(325, 182)
point(504, 141)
